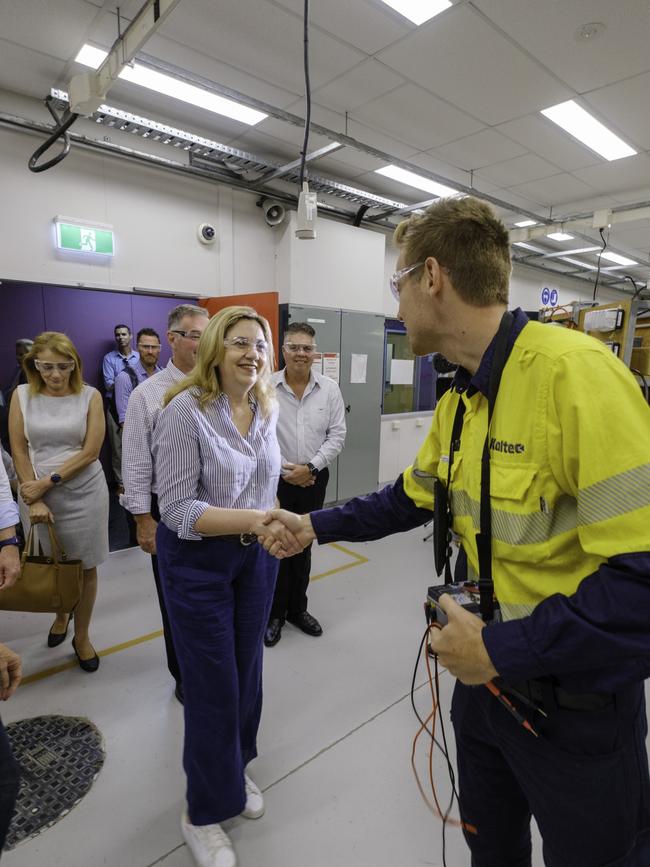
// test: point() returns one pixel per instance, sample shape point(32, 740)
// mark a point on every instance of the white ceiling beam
point(88, 90)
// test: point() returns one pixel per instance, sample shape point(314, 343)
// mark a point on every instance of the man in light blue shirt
point(148, 346)
point(113, 364)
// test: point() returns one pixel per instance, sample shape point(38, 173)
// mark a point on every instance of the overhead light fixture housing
point(523, 224)
point(591, 132)
point(174, 87)
point(418, 11)
point(560, 236)
point(417, 181)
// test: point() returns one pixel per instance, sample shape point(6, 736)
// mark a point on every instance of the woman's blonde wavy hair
point(57, 342)
point(204, 378)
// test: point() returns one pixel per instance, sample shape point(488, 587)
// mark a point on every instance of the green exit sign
point(79, 238)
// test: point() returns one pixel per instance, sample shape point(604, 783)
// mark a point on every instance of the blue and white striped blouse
point(202, 460)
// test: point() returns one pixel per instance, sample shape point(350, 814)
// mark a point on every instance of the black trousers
point(9, 784)
point(290, 598)
point(172, 661)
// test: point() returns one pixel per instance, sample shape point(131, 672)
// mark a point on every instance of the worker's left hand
point(459, 644)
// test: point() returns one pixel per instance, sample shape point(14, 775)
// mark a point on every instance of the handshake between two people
point(284, 533)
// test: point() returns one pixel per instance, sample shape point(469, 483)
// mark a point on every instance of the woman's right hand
point(40, 514)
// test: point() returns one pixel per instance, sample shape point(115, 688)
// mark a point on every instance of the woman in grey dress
point(56, 426)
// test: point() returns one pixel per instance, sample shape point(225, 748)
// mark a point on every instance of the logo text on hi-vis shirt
point(504, 446)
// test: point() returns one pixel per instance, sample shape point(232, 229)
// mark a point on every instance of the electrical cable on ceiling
point(63, 124)
point(303, 152)
point(604, 247)
point(638, 288)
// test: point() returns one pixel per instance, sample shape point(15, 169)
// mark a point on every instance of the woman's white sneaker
point(254, 801)
point(209, 844)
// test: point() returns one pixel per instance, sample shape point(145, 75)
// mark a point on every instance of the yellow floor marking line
point(358, 560)
point(65, 666)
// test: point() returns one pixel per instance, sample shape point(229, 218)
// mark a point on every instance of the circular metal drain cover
point(59, 759)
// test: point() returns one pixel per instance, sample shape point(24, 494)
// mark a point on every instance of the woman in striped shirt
point(217, 463)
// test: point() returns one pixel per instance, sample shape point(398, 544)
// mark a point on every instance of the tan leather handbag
point(45, 583)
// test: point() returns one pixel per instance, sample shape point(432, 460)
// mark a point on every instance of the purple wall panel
point(22, 316)
point(151, 312)
point(88, 318)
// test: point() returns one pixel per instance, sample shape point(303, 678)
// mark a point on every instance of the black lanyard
point(484, 536)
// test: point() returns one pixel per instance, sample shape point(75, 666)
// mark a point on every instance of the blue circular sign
point(546, 295)
point(554, 297)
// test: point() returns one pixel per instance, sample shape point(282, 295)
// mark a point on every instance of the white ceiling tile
point(261, 38)
point(625, 105)
point(629, 197)
point(319, 115)
point(546, 139)
point(554, 190)
point(362, 84)
point(416, 116)
point(477, 69)
point(291, 134)
point(332, 167)
point(548, 31)
point(376, 138)
point(357, 160)
point(519, 170)
point(433, 163)
point(56, 29)
point(28, 72)
point(217, 72)
point(629, 173)
point(365, 25)
point(479, 150)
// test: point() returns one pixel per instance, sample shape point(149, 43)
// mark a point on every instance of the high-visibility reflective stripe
point(615, 496)
point(517, 529)
point(422, 478)
point(510, 611)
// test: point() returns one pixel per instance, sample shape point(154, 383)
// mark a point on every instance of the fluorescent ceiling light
point(577, 262)
point(525, 223)
point(562, 253)
point(560, 236)
point(591, 132)
point(620, 260)
point(530, 247)
point(418, 11)
point(174, 87)
point(417, 181)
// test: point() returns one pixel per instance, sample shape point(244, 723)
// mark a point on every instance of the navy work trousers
point(585, 780)
point(218, 595)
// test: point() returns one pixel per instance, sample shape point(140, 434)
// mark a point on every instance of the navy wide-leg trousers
point(218, 595)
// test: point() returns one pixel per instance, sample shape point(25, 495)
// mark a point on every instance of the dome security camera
point(274, 212)
point(206, 233)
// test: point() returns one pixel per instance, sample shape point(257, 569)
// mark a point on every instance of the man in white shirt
point(311, 433)
point(185, 324)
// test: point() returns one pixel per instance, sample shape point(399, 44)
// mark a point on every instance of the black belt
point(241, 539)
point(550, 697)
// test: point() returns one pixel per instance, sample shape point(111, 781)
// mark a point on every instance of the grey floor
point(335, 741)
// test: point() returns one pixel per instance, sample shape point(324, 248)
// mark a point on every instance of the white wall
point(342, 267)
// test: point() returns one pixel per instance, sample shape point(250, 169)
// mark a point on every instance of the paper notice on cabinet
point(358, 368)
point(331, 365)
